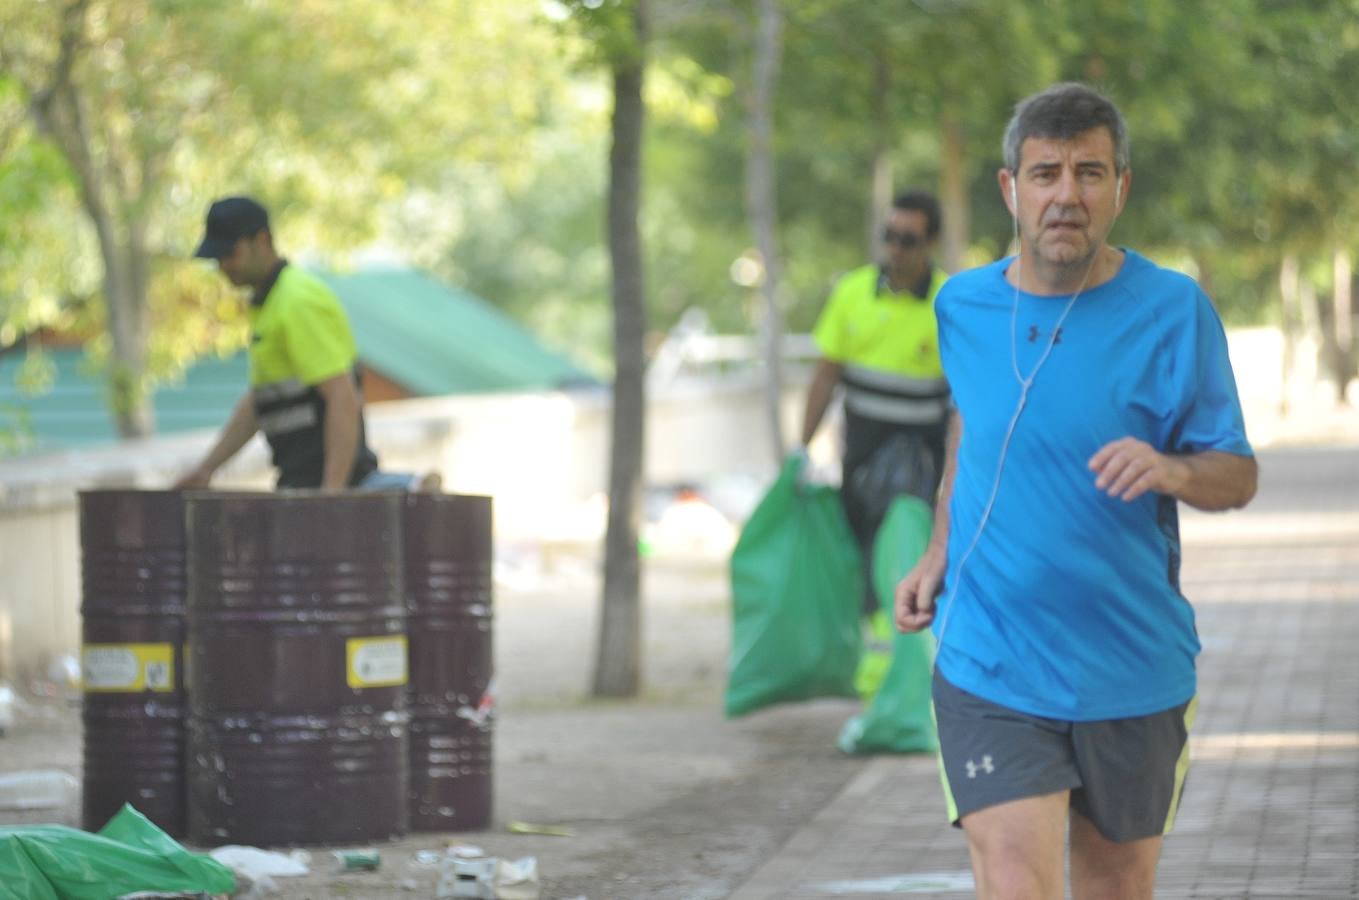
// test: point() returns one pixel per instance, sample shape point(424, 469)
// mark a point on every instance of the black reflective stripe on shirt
point(286, 406)
point(293, 418)
point(889, 397)
point(279, 391)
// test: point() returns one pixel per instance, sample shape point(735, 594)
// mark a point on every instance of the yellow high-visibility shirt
point(888, 344)
point(300, 337)
point(864, 326)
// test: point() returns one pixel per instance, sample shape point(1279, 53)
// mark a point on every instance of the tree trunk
point(1204, 274)
point(1288, 295)
point(126, 283)
point(1309, 304)
point(880, 174)
point(618, 654)
point(1341, 336)
point(953, 200)
point(762, 208)
point(58, 110)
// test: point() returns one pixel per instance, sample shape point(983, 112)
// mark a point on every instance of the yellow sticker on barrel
point(127, 668)
point(375, 661)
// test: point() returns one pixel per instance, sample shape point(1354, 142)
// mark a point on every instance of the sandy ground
point(663, 796)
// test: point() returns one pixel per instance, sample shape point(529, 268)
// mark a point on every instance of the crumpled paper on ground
point(487, 877)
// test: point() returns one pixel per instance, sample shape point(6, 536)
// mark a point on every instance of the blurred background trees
point(471, 140)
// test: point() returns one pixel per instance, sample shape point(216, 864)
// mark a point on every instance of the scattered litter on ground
point(550, 830)
point(258, 868)
point(366, 859)
point(484, 709)
point(254, 861)
point(62, 679)
point(6, 708)
point(686, 523)
point(487, 877)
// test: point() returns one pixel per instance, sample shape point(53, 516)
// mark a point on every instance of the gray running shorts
point(1125, 775)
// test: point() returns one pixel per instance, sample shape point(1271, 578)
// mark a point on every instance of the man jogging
point(1093, 393)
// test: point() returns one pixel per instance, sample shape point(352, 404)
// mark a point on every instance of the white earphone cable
point(1024, 384)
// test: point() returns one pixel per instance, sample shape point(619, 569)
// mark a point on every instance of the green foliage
point(1240, 132)
point(33, 376)
point(194, 313)
point(607, 26)
point(536, 247)
point(39, 272)
point(16, 431)
point(325, 110)
point(472, 138)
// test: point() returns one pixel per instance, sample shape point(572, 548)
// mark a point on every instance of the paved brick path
point(1271, 807)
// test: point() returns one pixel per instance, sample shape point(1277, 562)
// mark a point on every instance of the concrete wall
point(38, 607)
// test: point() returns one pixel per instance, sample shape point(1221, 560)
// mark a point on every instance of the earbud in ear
point(1014, 194)
point(1118, 190)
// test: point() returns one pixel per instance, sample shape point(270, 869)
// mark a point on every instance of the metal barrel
point(448, 586)
point(133, 588)
point(297, 668)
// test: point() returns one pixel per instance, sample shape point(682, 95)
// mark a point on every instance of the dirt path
point(664, 797)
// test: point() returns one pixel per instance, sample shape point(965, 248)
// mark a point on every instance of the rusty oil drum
point(448, 586)
point(133, 590)
point(298, 668)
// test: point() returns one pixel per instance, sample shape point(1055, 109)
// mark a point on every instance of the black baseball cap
point(229, 220)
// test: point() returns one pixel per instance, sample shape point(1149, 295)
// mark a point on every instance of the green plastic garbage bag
point(797, 589)
point(19, 876)
point(53, 862)
point(898, 719)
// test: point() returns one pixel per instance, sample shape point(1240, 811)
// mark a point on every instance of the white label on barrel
point(128, 667)
point(376, 661)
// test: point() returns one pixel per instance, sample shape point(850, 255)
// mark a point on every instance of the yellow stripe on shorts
point(1182, 765)
point(943, 775)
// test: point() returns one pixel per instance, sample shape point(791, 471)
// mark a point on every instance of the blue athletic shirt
point(1069, 606)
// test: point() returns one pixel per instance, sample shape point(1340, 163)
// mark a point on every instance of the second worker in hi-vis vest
point(878, 338)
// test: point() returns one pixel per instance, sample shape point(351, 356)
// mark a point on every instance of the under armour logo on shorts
point(986, 766)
